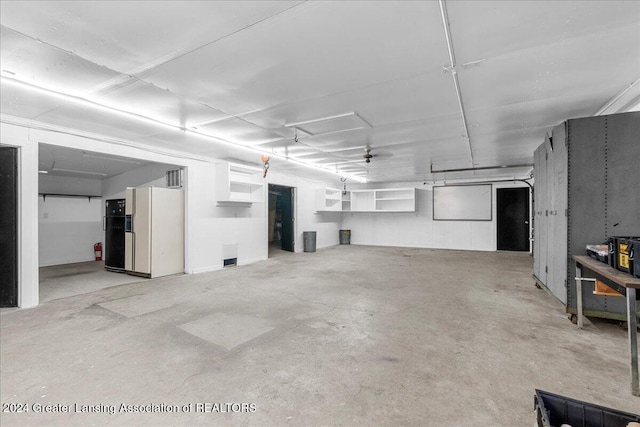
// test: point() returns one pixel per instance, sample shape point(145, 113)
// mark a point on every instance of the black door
point(286, 205)
point(513, 219)
point(8, 227)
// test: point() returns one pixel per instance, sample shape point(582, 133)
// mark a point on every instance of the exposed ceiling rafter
point(454, 73)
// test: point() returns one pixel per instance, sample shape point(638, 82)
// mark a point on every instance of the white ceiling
point(248, 72)
point(61, 161)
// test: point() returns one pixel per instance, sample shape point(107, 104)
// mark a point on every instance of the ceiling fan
point(368, 156)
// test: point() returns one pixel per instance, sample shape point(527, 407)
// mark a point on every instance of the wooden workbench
point(620, 281)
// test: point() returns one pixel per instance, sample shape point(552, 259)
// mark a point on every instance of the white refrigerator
point(154, 231)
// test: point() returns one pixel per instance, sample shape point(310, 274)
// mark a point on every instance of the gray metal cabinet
point(586, 190)
point(538, 226)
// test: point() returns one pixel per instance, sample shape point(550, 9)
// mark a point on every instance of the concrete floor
point(349, 335)
point(61, 281)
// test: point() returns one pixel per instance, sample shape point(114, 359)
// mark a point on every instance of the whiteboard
point(462, 203)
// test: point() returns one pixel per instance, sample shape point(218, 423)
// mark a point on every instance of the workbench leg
point(579, 295)
point(632, 322)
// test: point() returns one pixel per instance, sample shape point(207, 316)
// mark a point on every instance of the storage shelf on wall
point(45, 195)
point(374, 200)
point(362, 200)
point(346, 201)
point(396, 200)
point(328, 200)
point(239, 185)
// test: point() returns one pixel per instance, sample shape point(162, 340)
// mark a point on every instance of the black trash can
point(309, 240)
point(345, 237)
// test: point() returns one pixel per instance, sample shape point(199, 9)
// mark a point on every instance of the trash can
point(309, 238)
point(345, 237)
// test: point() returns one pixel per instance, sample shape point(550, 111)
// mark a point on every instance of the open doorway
point(281, 219)
point(513, 219)
point(81, 217)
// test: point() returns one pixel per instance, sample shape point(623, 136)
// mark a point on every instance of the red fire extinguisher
point(97, 249)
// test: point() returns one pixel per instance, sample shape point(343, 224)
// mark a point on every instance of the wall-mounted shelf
point(346, 201)
point(370, 200)
point(239, 185)
point(45, 195)
point(328, 200)
point(395, 200)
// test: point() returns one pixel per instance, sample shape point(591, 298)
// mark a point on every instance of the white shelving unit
point(369, 200)
point(328, 200)
point(384, 200)
point(362, 201)
point(346, 201)
point(395, 200)
point(239, 185)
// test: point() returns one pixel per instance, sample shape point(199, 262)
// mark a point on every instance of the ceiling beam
point(452, 67)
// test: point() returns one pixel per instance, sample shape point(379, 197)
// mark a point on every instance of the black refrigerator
point(114, 235)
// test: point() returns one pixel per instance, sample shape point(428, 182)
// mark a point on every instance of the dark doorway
point(281, 218)
point(513, 219)
point(8, 227)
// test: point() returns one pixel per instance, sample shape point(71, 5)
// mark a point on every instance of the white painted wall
point(419, 229)
point(216, 233)
point(52, 184)
point(28, 280)
point(68, 227)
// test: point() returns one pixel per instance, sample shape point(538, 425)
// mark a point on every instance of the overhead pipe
point(454, 73)
point(520, 165)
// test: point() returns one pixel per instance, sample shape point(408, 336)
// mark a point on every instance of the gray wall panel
point(544, 215)
point(623, 182)
point(558, 231)
point(537, 221)
point(555, 281)
point(586, 190)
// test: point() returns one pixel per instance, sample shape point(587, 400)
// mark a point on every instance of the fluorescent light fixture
point(93, 156)
point(129, 115)
point(77, 171)
point(87, 103)
point(522, 165)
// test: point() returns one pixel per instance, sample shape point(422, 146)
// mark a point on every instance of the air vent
point(230, 262)
point(174, 178)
